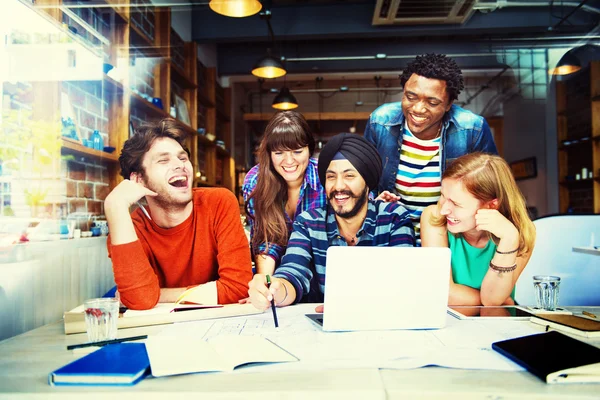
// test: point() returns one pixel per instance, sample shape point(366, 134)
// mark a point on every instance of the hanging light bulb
point(285, 100)
point(568, 64)
point(235, 8)
point(268, 67)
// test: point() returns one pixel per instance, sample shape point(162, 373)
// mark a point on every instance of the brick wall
point(86, 187)
point(90, 107)
point(141, 73)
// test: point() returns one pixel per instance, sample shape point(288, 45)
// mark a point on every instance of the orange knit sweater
point(209, 246)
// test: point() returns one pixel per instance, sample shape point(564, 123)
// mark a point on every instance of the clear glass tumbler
point(101, 317)
point(546, 289)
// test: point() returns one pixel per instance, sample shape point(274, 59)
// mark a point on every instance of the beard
point(165, 199)
point(361, 199)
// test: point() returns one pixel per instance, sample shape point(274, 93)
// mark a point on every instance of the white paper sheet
point(462, 344)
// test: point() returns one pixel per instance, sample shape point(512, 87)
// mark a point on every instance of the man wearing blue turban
point(349, 166)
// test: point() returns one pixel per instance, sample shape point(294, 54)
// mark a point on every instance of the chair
point(553, 255)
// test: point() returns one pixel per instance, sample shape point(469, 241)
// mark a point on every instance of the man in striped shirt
point(418, 137)
point(348, 167)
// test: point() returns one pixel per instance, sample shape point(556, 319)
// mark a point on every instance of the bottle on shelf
point(97, 142)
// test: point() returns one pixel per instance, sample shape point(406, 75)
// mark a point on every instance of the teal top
point(470, 264)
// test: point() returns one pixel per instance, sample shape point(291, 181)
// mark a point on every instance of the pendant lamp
point(268, 67)
point(568, 64)
point(285, 100)
point(235, 8)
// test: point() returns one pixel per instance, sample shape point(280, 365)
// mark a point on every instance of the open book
point(74, 320)
point(554, 357)
point(170, 355)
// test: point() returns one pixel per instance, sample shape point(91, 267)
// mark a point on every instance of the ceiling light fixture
point(235, 8)
point(568, 64)
point(285, 100)
point(268, 67)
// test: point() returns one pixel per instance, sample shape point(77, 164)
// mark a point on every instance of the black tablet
point(482, 312)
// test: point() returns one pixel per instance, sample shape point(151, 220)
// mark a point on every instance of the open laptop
point(380, 288)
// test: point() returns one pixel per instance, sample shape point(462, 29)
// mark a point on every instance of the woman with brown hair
point(284, 183)
point(481, 215)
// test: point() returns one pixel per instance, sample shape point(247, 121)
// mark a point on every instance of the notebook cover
point(114, 364)
point(570, 323)
point(545, 353)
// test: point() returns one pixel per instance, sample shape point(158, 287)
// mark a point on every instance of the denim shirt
point(463, 132)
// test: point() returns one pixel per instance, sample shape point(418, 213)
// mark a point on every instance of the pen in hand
point(272, 303)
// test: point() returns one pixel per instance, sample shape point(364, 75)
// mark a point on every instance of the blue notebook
point(115, 364)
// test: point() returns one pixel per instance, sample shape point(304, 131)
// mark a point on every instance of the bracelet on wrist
point(502, 270)
point(507, 252)
point(286, 294)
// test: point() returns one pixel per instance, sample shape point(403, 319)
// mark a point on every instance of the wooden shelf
point(120, 12)
point(221, 152)
point(203, 99)
point(575, 143)
point(222, 115)
point(313, 116)
point(578, 183)
point(139, 101)
point(182, 79)
point(113, 85)
point(70, 146)
point(141, 42)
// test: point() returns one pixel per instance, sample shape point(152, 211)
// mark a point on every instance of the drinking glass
point(546, 288)
point(101, 317)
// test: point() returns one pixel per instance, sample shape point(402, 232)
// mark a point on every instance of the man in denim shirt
point(419, 136)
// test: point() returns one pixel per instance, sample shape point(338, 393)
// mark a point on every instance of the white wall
point(57, 277)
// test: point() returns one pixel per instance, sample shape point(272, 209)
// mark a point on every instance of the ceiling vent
point(412, 12)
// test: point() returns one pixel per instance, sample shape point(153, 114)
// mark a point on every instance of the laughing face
point(459, 206)
point(424, 103)
point(168, 172)
point(346, 189)
point(291, 164)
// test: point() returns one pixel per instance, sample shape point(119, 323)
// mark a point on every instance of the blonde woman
point(481, 216)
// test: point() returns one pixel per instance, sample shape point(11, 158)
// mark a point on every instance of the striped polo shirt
point(418, 180)
point(303, 265)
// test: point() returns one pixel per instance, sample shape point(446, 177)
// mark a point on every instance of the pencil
point(141, 206)
point(273, 303)
point(589, 314)
point(105, 342)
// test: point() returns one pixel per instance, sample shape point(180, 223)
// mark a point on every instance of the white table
point(26, 360)
point(587, 250)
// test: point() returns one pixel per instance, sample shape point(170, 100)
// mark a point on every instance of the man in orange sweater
point(187, 237)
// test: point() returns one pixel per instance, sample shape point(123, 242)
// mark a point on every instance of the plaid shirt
point(312, 195)
point(386, 224)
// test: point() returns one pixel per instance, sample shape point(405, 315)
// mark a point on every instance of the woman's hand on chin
point(496, 223)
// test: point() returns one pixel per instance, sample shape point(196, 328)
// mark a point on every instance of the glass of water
point(101, 317)
point(546, 288)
